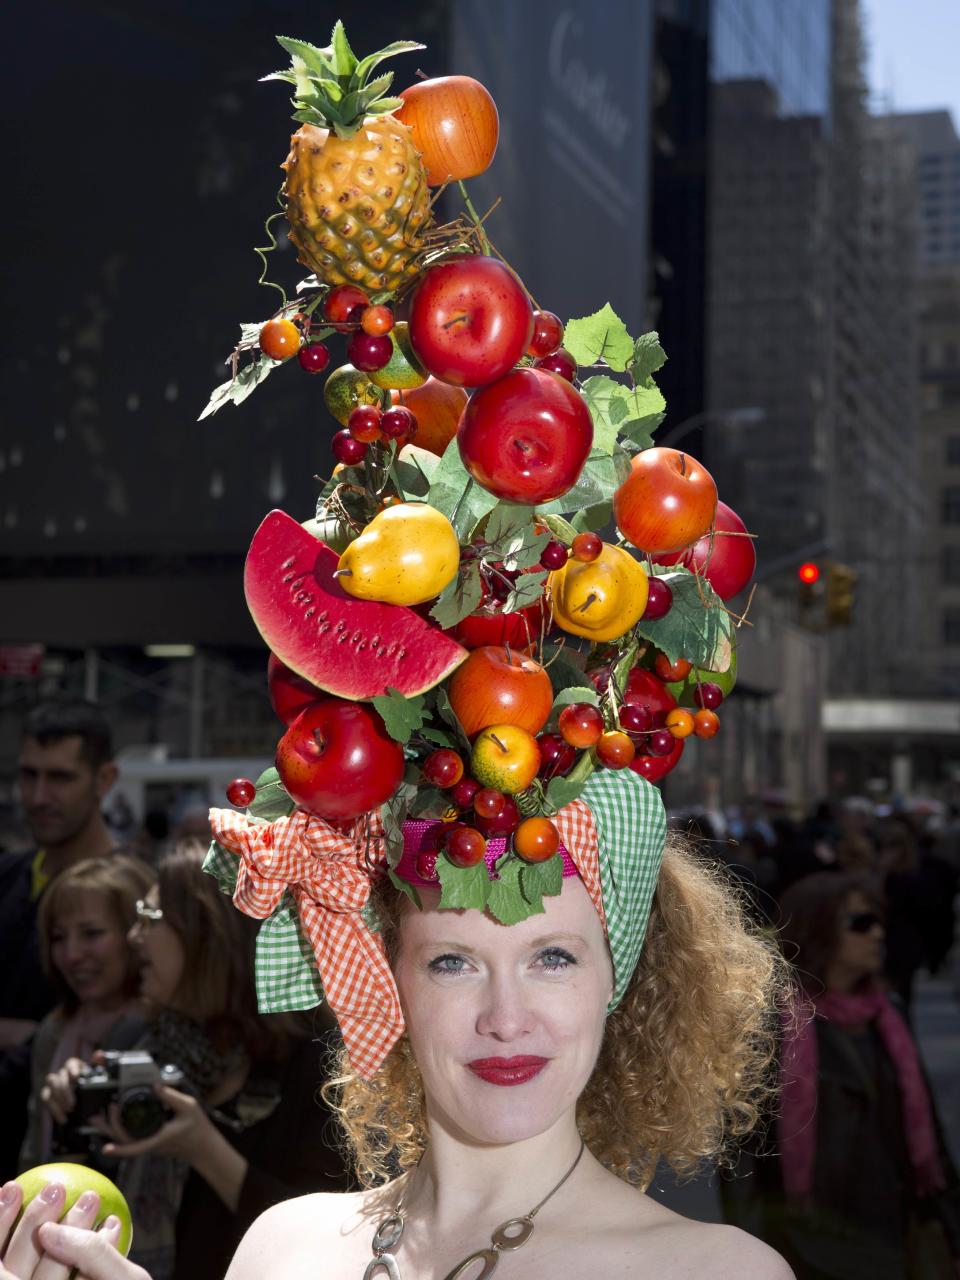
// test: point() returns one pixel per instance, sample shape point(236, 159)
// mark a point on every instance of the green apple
point(77, 1178)
point(403, 371)
point(682, 690)
point(336, 533)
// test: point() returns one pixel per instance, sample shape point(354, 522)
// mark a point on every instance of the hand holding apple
point(49, 1191)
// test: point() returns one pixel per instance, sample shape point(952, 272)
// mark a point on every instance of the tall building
point(933, 136)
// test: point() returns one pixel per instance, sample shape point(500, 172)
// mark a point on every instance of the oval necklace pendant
point(489, 1257)
point(385, 1265)
point(512, 1234)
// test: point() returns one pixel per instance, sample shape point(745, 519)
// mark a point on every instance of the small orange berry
point(279, 339)
point(680, 722)
point(536, 839)
point(670, 671)
point(706, 724)
point(376, 321)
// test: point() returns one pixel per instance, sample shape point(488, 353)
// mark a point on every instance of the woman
point(83, 923)
point(506, 1044)
point(252, 1133)
point(861, 1183)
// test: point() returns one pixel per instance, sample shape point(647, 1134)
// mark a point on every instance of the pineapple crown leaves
point(332, 87)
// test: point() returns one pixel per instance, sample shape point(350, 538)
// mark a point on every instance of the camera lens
point(141, 1112)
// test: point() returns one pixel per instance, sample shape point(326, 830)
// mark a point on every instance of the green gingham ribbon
point(631, 829)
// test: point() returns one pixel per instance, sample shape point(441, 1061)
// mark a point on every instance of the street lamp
point(745, 416)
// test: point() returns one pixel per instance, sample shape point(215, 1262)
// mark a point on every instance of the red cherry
point(364, 423)
point(465, 846)
point(634, 719)
point(340, 302)
point(369, 353)
point(708, 695)
point(279, 339)
point(587, 547)
point(347, 450)
point(397, 422)
point(504, 823)
point(671, 671)
point(443, 768)
point(659, 599)
point(314, 357)
point(653, 768)
point(556, 756)
point(547, 334)
point(615, 750)
point(706, 723)
point(536, 839)
point(561, 362)
point(427, 864)
point(463, 792)
point(581, 724)
point(240, 792)
point(660, 743)
point(489, 804)
point(376, 320)
point(554, 556)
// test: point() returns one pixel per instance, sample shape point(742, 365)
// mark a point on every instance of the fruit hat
point(506, 616)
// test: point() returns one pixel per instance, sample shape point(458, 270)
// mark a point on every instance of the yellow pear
point(600, 599)
point(407, 554)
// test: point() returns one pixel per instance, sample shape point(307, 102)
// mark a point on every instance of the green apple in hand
point(77, 1178)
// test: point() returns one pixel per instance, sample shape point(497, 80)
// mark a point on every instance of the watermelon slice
point(353, 648)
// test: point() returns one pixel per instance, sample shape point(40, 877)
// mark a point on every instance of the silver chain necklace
point(510, 1235)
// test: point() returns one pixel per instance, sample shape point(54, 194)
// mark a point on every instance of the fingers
point(93, 1253)
point(82, 1216)
point(178, 1103)
point(11, 1197)
point(23, 1251)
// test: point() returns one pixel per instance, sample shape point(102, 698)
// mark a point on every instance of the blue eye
point(555, 959)
point(447, 964)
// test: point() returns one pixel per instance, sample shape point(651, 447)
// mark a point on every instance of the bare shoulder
point(699, 1249)
point(282, 1237)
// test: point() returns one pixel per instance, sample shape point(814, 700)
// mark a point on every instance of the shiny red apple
point(526, 437)
point(470, 320)
point(653, 768)
point(667, 502)
point(289, 693)
point(337, 760)
point(726, 558)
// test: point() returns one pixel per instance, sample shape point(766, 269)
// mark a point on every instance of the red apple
point(470, 320)
point(289, 693)
point(498, 686)
point(726, 558)
point(520, 630)
point(336, 760)
point(653, 768)
point(526, 437)
point(667, 502)
point(645, 690)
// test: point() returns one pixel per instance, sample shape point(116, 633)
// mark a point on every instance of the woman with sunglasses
point(859, 1182)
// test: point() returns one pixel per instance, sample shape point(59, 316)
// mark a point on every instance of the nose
point(506, 1013)
point(135, 934)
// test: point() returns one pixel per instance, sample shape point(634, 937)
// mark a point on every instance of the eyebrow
point(543, 941)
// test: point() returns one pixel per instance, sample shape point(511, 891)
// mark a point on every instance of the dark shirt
point(292, 1151)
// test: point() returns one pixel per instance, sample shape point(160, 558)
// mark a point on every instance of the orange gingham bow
point(330, 880)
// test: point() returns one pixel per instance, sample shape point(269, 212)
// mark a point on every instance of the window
point(950, 504)
point(951, 626)
point(950, 565)
point(953, 451)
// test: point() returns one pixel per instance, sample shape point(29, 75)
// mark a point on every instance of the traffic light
point(808, 575)
point(841, 591)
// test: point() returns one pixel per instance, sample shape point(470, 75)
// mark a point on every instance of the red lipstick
point(508, 1071)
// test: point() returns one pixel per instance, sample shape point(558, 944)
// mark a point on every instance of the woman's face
point(88, 947)
point(505, 1022)
point(860, 942)
point(161, 955)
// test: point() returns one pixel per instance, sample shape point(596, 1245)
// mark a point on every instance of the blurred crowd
point(130, 1038)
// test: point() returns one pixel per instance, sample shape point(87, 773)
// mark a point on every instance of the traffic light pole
point(790, 561)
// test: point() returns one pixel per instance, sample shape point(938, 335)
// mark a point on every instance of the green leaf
point(394, 812)
point(590, 519)
point(439, 736)
point(697, 627)
point(459, 597)
point(344, 59)
point(560, 528)
point(648, 356)
point(606, 400)
point(415, 469)
point(542, 878)
point(429, 802)
point(601, 336)
point(563, 673)
point(527, 590)
point(446, 712)
point(575, 693)
point(621, 667)
point(512, 537)
point(313, 60)
point(272, 799)
point(401, 715)
point(507, 901)
point(507, 520)
point(372, 60)
point(638, 433)
point(463, 887)
point(600, 478)
point(244, 384)
point(405, 887)
point(563, 791)
point(454, 492)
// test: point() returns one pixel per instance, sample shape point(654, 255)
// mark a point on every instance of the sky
point(912, 54)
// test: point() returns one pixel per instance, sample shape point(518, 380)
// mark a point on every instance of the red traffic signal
point(808, 573)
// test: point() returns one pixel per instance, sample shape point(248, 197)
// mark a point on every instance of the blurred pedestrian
point(859, 1183)
point(910, 905)
point(84, 920)
point(65, 771)
point(252, 1130)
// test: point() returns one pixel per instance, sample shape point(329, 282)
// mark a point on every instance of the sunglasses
point(861, 921)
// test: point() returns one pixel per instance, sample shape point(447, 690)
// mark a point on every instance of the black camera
point(126, 1078)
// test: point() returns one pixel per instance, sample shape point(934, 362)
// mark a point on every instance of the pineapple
point(356, 190)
